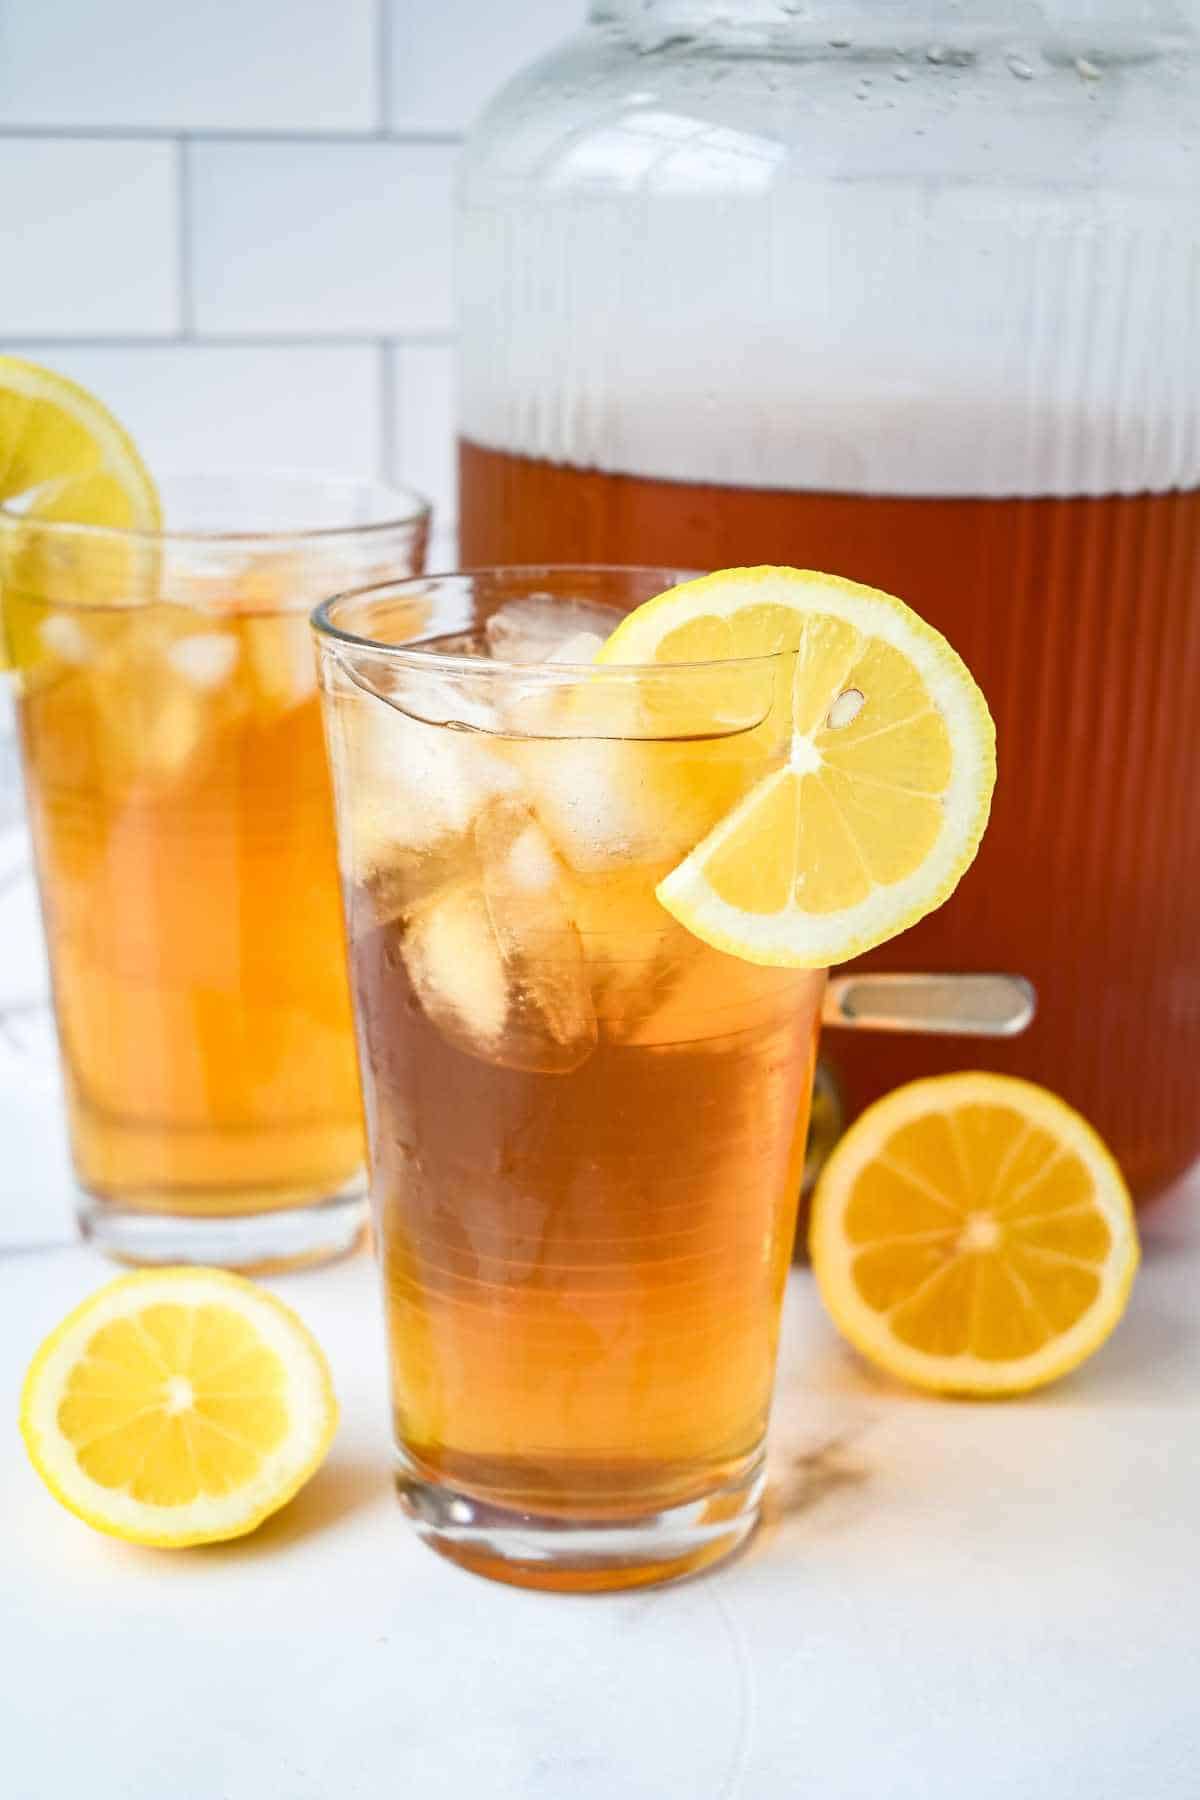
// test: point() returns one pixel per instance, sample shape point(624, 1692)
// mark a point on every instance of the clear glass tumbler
point(586, 1127)
point(179, 803)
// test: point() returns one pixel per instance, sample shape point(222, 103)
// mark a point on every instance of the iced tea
point(182, 819)
point(586, 1126)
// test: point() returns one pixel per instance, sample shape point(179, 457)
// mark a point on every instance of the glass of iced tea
point(586, 1127)
point(180, 808)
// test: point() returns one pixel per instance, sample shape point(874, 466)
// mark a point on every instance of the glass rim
point(417, 510)
point(410, 655)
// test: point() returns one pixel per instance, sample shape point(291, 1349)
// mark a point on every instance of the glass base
point(579, 1556)
point(252, 1243)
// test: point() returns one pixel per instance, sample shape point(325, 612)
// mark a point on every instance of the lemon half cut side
point(178, 1406)
point(972, 1234)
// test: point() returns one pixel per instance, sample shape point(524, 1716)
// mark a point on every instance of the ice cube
point(65, 638)
point(457, 971)
point(411, 793)
point(606, 802)
point(205, 659)
point(399, 881)
point(539, 628)
point(494, 957)
point(538, 705)
point(635, 951)
point(466, 701)
point(418, 783)
point(552, 1020)
point(501, 976)
point(163, 693)
point(618, 777)
point(424, 688)
point(282, 659)
point(580, 647)
point(528, 863)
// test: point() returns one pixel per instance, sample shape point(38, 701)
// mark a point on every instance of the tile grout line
point(389, 442)
point(89, 134)
point(183, 232)
point(383, 63)
point(234, 340)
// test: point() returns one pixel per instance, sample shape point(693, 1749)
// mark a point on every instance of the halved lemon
point(178, 1406)
point(972, 1234)
point(883, 792)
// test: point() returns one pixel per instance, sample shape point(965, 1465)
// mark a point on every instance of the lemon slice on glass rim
point(64, 459)
point(64, 450)
point(877, 811)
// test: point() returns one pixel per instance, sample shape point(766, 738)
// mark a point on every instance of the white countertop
point(952, 1601)
point(993, 1601)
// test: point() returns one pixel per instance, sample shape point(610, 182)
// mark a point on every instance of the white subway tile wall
point(91, 233)
point(226, 65)
point(421, 393)
point(233, 221)
point(321, 240)
point(448, 58)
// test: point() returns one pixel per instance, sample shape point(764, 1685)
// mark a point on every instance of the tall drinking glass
point(179, 802)
point(586, 1127)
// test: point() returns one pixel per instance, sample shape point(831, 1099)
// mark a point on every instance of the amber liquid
point(1081, 620)
point(584, 1269)
point(182, 822)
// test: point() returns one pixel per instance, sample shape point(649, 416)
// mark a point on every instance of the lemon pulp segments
point(972, 1234)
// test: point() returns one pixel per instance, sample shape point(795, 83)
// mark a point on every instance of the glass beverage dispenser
point(911, 292)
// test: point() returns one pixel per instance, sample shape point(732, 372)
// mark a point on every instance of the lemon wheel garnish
point(64, 459)
point(971, 1234)
point(63, 449)
point(179, 1406)
point(877, 806)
